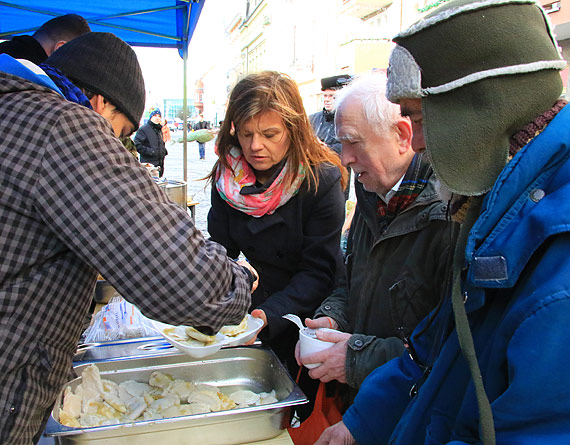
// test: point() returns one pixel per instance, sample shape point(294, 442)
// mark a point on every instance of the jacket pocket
point(409, 304)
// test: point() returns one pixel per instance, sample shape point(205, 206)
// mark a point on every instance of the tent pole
point(185, 115)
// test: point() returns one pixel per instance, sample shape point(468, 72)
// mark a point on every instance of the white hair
point(369, 90)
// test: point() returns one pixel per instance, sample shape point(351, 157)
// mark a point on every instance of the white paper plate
point(198, 350)
point(253, 327)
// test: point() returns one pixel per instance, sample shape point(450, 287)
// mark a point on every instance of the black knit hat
point(335, 82)
point(106, 65)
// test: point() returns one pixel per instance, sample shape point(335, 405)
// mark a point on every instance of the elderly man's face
point(378, 160)
point(328, 99)
point(412, 108)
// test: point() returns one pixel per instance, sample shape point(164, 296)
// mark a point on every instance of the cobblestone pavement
point(197, 169)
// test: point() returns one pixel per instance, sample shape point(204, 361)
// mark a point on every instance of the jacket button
point(358, 343)
point(536, 195)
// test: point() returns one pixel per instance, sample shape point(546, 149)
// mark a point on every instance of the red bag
point(325, 413)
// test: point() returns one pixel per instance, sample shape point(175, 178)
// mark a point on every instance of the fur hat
point(335, 82)
point(106, 65)
point(483, 70)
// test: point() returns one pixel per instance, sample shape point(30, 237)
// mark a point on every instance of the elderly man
point(399, 241)
point(48, 38)
point(74, 202)
point(486, 367)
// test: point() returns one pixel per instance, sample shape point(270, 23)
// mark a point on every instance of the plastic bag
point(117, 320)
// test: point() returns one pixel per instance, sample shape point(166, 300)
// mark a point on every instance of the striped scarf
point(71, 92)
point(415, 180)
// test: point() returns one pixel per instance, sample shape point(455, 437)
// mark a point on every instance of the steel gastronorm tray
point(254, 367)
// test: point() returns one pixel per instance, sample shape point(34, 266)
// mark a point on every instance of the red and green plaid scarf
point(415, 179)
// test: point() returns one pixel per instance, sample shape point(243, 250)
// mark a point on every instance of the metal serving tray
point(254, 367)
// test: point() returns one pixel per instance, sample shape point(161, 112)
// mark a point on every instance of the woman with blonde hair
point(277, 198)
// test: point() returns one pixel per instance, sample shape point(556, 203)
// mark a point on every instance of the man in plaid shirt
point(75, 203)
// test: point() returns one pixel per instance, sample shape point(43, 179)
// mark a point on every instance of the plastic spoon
point(295, 319)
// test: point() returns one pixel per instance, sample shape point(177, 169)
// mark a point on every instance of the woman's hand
point(338, 434)
point(257, 313)
point(254, 273)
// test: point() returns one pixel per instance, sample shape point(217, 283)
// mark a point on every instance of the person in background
point(130, 146)
point(200, 125)
point(277, 199)
point(74, 204)
point(150, 143)
point(399, 241)
point(166, 135)
point(485, 366)
point(48, 38)
point(323, 121)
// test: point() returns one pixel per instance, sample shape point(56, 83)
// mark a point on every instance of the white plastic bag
point(117, 320)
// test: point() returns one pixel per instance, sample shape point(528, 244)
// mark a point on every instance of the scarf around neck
point(71, 92)
point(230, 182)
point(416, 178)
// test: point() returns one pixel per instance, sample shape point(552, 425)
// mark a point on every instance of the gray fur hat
point(106, 65)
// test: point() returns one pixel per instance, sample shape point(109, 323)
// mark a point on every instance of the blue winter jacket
point(517, 289)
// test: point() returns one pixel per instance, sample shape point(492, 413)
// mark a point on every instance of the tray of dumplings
point(238, 395)
point(198, 345)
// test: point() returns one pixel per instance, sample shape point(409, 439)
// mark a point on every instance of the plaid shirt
point(74, 202)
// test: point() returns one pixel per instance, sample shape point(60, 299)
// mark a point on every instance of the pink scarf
point(266, 202)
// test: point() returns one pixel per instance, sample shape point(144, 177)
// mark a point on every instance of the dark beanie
point(106, 65)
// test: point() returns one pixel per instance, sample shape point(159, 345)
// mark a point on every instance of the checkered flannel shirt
point(74, 202)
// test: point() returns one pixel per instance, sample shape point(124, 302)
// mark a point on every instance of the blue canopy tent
point(151, 23)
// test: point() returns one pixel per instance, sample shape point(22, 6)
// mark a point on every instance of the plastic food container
point(310, 344)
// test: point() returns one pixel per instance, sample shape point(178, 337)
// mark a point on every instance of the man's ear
point(59, 44)
point(98, 103)
point(405, 134)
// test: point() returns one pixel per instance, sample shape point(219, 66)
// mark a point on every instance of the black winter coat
point(394, 278)
point(150, 145)
point(323, 125)
point(296, 251)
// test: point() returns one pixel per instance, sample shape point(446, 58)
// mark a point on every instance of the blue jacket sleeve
point(381, 400)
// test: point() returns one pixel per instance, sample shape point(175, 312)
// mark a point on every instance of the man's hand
point(254, 273)
point(333, 359)
point(338, 434)
point(321, 322)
